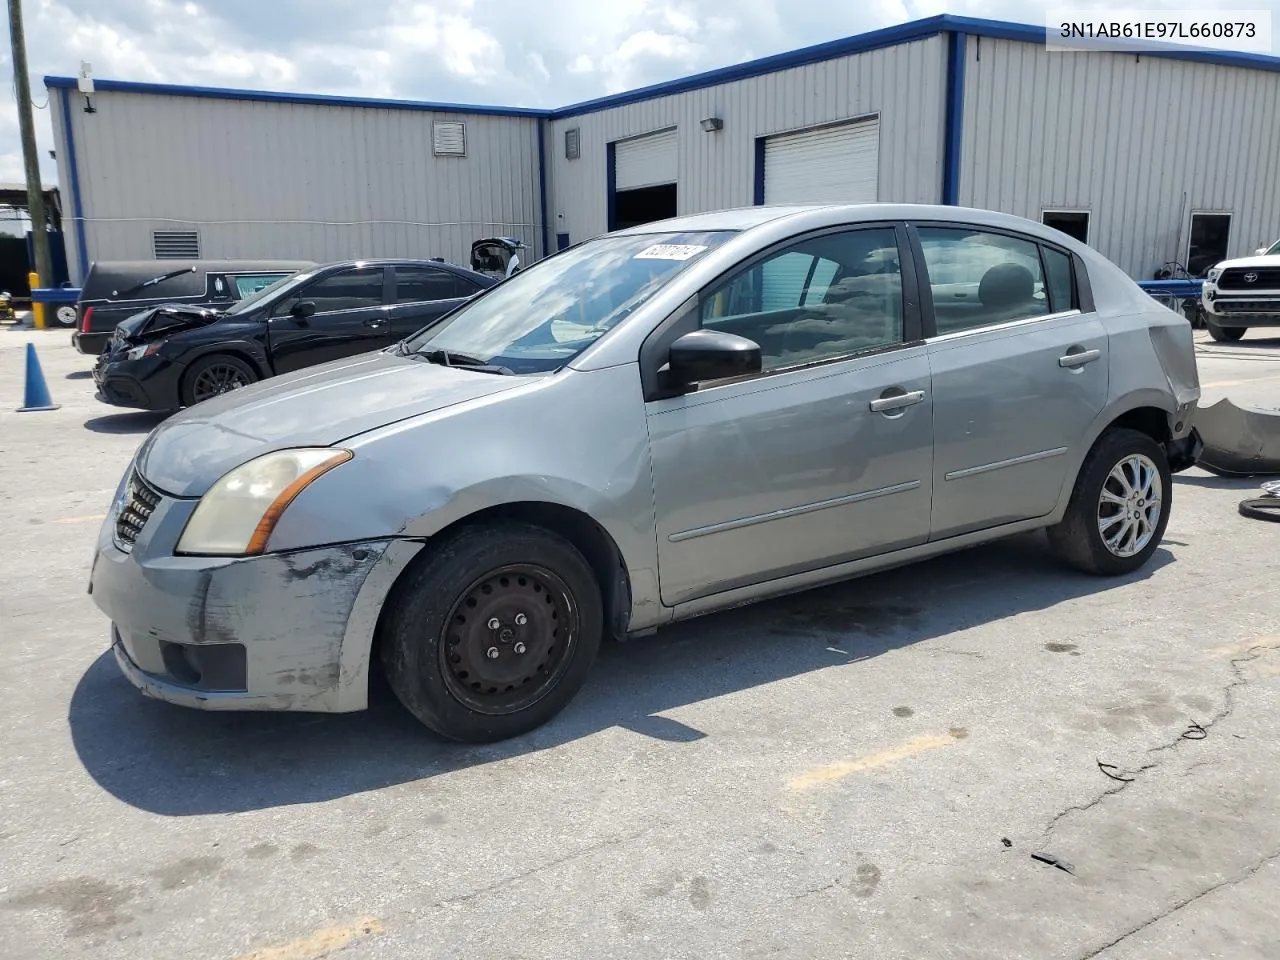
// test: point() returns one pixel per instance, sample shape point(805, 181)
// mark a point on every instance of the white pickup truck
point(1243, 293)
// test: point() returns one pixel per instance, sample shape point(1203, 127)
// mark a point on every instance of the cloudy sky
point(515, 52)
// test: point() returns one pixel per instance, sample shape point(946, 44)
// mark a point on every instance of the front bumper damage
point(1238, 441)
point(273, 632)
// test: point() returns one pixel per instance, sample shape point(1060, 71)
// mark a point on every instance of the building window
point(1074, 223)
point(572, 144)
point(449, 138)
point(175, 244)
point(1208, 243)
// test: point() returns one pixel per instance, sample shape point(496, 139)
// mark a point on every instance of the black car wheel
point(1225, 334)
point(494, 633)
point(211, 376)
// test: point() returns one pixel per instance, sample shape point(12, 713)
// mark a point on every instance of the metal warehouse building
point(1151, 158)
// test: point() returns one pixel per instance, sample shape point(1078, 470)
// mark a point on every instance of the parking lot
point(864, 770)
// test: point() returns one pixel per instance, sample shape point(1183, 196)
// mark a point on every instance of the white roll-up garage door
point(645, 161)
point(836, 164)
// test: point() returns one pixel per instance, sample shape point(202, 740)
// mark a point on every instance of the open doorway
point(644, 205)
point(1074, 223)
point(1207, 245)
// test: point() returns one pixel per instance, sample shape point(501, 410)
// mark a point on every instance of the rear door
point(351, 316)
point(1019, 365)
point(424, 294)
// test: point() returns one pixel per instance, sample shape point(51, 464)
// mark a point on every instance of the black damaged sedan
point(174, 355)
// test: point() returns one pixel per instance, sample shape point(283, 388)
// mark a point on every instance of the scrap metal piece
point(1238, 441)
point(1053, 861)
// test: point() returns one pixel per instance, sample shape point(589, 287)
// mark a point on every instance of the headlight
point(146, 350)
point(236, 517)
point(1212, 274)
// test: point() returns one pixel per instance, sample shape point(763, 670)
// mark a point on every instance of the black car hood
point(163, 319)
point(317, 406)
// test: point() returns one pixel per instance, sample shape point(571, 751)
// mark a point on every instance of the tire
point(202, 378)
point(65, 315)
point(1261, 508)
point(439, 657)
point(1225, 334)
point(1078, 539)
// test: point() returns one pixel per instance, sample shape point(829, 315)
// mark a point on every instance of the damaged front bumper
point(255, 633)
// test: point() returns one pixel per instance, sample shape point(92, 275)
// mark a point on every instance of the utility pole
point(31, 159)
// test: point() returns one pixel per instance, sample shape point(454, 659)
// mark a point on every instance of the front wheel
point(494, 633)
point(1119, 508)
point(1225, 334)
point(213, 375)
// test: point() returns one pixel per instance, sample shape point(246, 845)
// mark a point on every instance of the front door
point(350, 317)
point(1019, 373)
point(826, 455)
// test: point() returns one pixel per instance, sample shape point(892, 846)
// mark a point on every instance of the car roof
point(398, 261)
point(131, 268)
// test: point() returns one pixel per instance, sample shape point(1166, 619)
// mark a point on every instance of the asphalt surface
point(866, 770)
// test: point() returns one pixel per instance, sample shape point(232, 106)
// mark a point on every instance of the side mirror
point(1261, 251)
point(712, 355)
point(302, 310)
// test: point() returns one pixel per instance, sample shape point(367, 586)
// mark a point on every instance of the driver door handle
point(896, 401)
point(1079, 358)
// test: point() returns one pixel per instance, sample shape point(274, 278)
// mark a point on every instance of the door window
point(979, 279)
point(423, 284)
point(818, 299)
point(249, 283)
point(354, 289)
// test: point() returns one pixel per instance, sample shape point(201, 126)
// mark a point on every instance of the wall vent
point(573, 144)
point(449, 138)
point(175, 244)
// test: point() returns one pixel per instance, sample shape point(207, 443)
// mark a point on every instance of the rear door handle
point(375, 322)
point(1079, 359)
point(896, 401)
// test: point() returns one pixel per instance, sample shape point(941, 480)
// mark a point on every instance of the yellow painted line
point(88, 518)
point(319, 944)
point(844, 768)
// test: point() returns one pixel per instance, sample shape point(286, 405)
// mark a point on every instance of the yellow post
point(37, 309)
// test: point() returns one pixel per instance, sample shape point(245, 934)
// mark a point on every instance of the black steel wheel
point(492, 632)
point(508, 639)
point(213, 376)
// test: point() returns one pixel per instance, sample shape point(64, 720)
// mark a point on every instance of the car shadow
point(175, 761)
point(142, 421)
point(80, 375)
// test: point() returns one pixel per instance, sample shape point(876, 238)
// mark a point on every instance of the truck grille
point(1247, 306)
point(1267, 278)
point(140, 501)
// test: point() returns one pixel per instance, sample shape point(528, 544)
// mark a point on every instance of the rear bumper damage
point(1183, 453)
point(1238, 441)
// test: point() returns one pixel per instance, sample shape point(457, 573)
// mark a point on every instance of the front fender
point(251, 350)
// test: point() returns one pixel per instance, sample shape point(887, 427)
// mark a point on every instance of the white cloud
point(480, 51)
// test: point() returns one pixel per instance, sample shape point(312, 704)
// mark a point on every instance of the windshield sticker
point(669, 251)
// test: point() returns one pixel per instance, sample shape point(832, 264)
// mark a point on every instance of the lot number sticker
point(669, 251)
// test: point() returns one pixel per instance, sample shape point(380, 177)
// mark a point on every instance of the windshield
point(545, 315)
point(284, 283)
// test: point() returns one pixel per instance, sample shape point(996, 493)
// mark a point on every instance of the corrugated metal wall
point(904, 84)
point(280, 180)
point(1138, 142)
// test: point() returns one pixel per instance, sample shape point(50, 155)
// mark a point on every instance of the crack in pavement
point(1228, 707)
point(1186, 902)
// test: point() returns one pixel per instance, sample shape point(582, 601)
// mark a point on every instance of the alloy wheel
point(216, 379)
point(1129, 505)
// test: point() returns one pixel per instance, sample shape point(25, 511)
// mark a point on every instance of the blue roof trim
point(269, 96)
point(847, 46)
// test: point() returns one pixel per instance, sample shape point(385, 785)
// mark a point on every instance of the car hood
point(318, 406)
point(1270, 260)
point(164, 319)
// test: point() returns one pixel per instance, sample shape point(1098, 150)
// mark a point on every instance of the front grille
point(140, 501)
point(1247, 306)
point(1265, 278)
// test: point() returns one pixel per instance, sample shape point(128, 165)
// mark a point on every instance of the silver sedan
point(657, 423)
